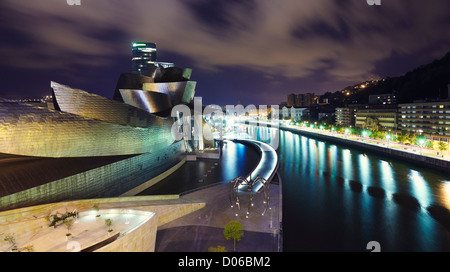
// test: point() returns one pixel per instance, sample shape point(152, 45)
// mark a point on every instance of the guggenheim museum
point(82, 145)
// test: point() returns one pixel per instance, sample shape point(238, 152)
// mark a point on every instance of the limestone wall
point(27, 222)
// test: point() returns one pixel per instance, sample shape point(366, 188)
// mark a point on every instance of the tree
point(9, 238)
point(401, 137)
point(233, 230)
point(411, 137)
point(108, 222)
point(96, 208)
point(443, 146)
point(69, 223)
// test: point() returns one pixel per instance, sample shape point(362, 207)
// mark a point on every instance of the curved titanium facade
point(173, 82)
point(130, 140)
point(152, 102)
point(96, 107)
point(179, 92)
point(130, 81)
point(36, 131)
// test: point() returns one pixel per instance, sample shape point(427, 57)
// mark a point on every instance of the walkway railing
point(268, 164)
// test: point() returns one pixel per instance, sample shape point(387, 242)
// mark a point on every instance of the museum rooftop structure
point(89, 146)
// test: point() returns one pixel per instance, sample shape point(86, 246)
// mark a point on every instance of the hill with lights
point(427, 82)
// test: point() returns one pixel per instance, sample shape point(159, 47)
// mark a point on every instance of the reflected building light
point(347, 164)
point(364, 169)
point(322, 155)
point(332, 157)
point(420, 188)
point(387, 177)
point(312, 151)
point(444, 193)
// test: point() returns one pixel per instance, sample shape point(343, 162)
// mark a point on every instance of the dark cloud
point(321, 44)
point(340, 32)
point(221, 15)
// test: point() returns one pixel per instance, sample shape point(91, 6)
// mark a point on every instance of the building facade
point(344, 117)
point(383, 99)
point(144, 56)
point(292, 113)
point(425, 117)
point(377, 119)
point(290, 100)
point(297, 113)
point(301, 100)
point(87, 145)
point(305, 100)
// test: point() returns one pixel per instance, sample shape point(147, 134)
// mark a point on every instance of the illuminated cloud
point(341, 41)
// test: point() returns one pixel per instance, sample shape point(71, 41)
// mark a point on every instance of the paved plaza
point(88, 230)
point(204, 228)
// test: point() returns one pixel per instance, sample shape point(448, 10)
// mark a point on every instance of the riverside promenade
point(203, 228)
point(415, 155)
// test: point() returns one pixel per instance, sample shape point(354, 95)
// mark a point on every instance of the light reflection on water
point(388, 180)
point(420, 188)
point(444, 193)
point(319, 215)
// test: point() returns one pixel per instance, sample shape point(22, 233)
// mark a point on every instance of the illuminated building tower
point(143, 57)
point(143, 54)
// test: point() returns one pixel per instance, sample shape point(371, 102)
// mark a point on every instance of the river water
point(321, 214)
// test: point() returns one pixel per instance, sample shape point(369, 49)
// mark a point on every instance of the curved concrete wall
point(27, 222)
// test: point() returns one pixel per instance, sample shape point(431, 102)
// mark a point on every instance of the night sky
point(253, 51)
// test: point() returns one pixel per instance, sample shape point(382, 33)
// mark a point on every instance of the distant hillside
point(425, 82)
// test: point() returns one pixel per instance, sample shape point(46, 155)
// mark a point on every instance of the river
point(321, 214)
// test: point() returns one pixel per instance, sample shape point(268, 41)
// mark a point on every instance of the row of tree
point(404, 137)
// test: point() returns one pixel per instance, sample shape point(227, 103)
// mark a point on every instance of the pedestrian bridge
point(268, 164)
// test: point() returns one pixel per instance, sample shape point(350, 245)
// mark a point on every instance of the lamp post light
point(421, 143)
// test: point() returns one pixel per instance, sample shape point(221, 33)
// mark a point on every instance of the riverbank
point(435, 163)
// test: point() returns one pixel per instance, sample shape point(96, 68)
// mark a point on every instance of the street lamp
point(388, 138)
point(421, 143)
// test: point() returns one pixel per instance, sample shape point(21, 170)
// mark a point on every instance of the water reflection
point(321, 216)
point(387, 176)
point(365, 174)
point(444, 194)
point(347, 164)
point(332, 159)
point(420, 188)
